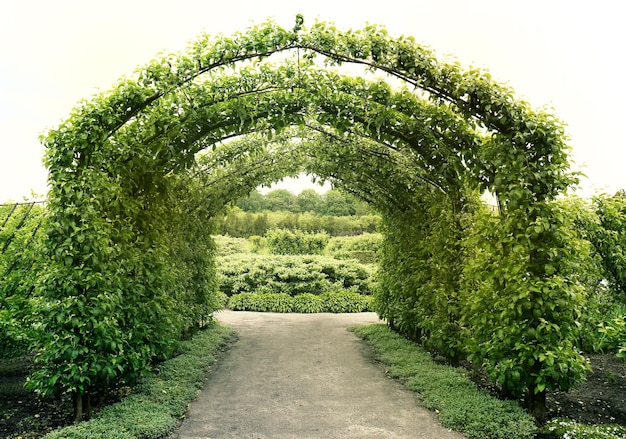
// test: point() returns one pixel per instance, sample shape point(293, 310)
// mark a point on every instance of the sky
point(561, 55)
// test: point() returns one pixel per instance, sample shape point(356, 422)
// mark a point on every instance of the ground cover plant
point(459, 404)
point(149, 410)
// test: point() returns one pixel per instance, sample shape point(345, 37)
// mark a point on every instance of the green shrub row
point(291, 274)
point(364, 248)
point(447, 390)
point(159, 400)
point(335, 302)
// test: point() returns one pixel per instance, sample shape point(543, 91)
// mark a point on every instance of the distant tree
point(255, 202)
point(280, 199)
point(338, 203)
point(308, 201)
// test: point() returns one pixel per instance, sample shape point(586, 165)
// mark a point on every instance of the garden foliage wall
point(131, 259)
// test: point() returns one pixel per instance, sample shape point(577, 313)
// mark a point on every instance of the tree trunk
point(537, 406)
point(77, 400)
point(87, 408)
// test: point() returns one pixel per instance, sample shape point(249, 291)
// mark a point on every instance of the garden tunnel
point(136, 172)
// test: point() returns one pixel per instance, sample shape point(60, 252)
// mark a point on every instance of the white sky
point(567, 55)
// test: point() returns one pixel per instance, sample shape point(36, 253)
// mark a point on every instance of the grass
point(156, 405)
point(447, 390)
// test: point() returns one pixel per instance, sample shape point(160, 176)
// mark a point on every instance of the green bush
point(287, 242)
point(364, 248)
point(221, 300)
point(261, 302)
point(159, 400)
point(243, 302)
point(227, 245)
point(345, 301)
point(612, 336)
point(307, 303)
point(246, 224)
point(293, 275)
point(275, 302)
point(461, 406)
point(338, 302)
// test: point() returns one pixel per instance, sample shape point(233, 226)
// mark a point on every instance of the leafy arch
point(131, 262)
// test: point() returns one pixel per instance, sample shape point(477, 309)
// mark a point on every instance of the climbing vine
point(131, 259)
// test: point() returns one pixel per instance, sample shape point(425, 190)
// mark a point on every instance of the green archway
point(131, 260)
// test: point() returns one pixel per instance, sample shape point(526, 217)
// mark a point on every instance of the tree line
point(332, 203)
point(335, 212)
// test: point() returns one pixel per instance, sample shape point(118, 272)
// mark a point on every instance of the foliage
point(597, 269)
point(608, 235)
point(447, 390)
point(159, 400)
point(613, 335)
point(420, 290)
point(364, 248)
point(332, 203)
point(345, 301)
point(130, 198)
point(568, 429)
point(21, 258)
point(529, 344)
point(292, 275)
point(245, 224)
point(227, 245)
point(335, 302)
point(286, 242)
point(307, 303)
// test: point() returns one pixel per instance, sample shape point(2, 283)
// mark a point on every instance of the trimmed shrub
point(287, 242)
point(293, 275)
point(307, 303)
point(364, 248)
point(227, 245)
point(335, 302)
point(345, 301)
point(261, 302)
point(275, 302)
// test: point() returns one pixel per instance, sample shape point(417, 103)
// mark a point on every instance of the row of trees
point(447, 297)
point(331, 203)
point(21, 259)
point(245, 224)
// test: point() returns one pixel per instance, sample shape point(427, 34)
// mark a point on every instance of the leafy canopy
point(129, 193)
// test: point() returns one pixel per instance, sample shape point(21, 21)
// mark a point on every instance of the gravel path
point(303, 376)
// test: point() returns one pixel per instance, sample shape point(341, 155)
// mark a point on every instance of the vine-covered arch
point(131, 257)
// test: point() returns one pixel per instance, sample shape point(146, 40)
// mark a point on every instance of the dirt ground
point(303, 374)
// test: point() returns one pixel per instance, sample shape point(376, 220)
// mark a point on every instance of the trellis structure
point(132, 263)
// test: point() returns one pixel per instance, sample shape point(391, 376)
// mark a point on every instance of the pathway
point(304, 376)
